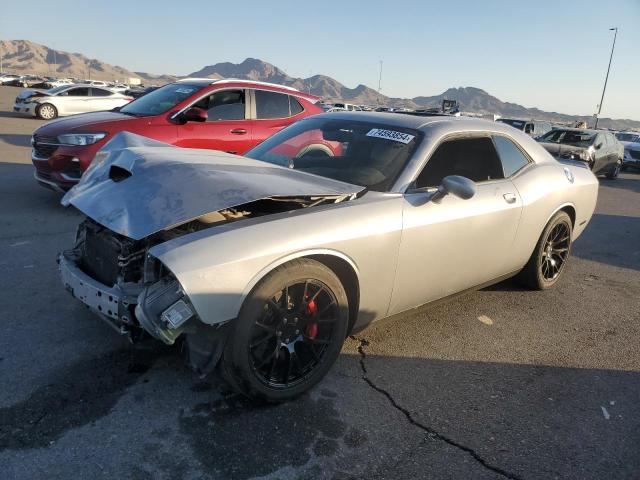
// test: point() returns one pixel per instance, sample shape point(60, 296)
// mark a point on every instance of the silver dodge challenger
point(263, 264)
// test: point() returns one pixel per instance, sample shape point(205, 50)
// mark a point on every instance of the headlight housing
point(80, 138)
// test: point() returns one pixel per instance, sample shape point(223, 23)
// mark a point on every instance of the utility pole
point(380, 83)
point(607, 76)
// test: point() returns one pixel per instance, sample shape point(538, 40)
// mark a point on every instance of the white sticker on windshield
point(390, 135)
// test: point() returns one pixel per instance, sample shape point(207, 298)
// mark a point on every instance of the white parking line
point(19, 243)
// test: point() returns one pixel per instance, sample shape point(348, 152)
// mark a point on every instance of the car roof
point(203, 82)
point(424, 123)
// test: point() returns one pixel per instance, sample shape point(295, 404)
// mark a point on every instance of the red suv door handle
point(239, 131)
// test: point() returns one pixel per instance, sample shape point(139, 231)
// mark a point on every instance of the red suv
point(229, 115)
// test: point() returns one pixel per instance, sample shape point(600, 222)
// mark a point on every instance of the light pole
point(615, 29)
point(379, 83)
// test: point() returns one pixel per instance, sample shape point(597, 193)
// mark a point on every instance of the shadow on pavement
point(631, 184)
point(15, 139)
point(611, 239)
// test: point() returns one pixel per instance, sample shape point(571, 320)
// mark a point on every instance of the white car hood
point(137, 186)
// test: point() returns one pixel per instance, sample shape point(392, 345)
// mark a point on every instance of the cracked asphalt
point(500, 383)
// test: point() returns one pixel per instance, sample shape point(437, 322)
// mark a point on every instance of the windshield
point(569, 137)
point(519, 124)
point(370, 155)
point(160, 100)
point(628, 137)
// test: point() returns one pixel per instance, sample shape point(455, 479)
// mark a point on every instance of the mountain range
point(23, 56)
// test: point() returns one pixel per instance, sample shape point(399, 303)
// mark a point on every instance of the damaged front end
point(134, 293)
point(118, 279)
point(139, 194)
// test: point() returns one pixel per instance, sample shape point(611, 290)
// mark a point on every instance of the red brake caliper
point(312, 327)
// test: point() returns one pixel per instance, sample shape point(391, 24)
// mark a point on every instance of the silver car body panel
point(167, 186)
point(404, 249)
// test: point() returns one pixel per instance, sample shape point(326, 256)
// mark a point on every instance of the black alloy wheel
point(551, 254)
point(289, 332)
point(555, 252)
point(291, 338)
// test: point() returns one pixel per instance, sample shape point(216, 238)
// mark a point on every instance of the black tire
point(549, 258)
point(261, 366)
point(615, 170)
point(46, 111)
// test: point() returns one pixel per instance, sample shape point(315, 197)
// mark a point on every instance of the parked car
point(95, 83)
point(67, 100)
point(347, 107)
point(118, 87)
point(530, 127)
point(7, 78)
point(59, 82)
point(265, 263)
point(631, 158)
point(26, 81)
point(626, 138)
point(229, 115)
point(599, 149)
point(137, 92)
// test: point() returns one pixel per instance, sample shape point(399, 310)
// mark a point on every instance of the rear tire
point(549, 258)
point(46, 111)
point(288, 334)
point(615, 170)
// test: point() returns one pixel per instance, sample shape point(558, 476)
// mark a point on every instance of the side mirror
point(599, 146)
point(195, 114)
point(461, 187)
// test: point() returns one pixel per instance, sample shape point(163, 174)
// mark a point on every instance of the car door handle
point(509, 197)
point(239, 131)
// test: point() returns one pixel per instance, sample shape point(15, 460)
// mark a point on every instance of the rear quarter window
point(510, 155)
point(271, 104)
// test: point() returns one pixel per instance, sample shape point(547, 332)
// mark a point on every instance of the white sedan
point(67, 100)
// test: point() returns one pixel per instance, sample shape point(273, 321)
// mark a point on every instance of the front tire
point(615, 170)
point(549, 258)
point(46, 111)
point(288, 334)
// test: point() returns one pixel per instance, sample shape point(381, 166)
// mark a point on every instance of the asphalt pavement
point(500, 383)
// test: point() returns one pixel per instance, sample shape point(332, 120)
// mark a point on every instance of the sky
point(547, 54)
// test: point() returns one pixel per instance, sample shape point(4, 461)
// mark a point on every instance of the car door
point(451, 244)
point(601, 154)
point(75, 100)
point(100, 99)
point(226, 128)
point(612, 147)
point(272, 111)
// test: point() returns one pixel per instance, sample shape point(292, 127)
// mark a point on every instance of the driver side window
point(225, 105)
point(474, 158)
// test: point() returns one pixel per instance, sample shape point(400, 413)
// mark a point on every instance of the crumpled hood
point(137, 186)
point(30, 92)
